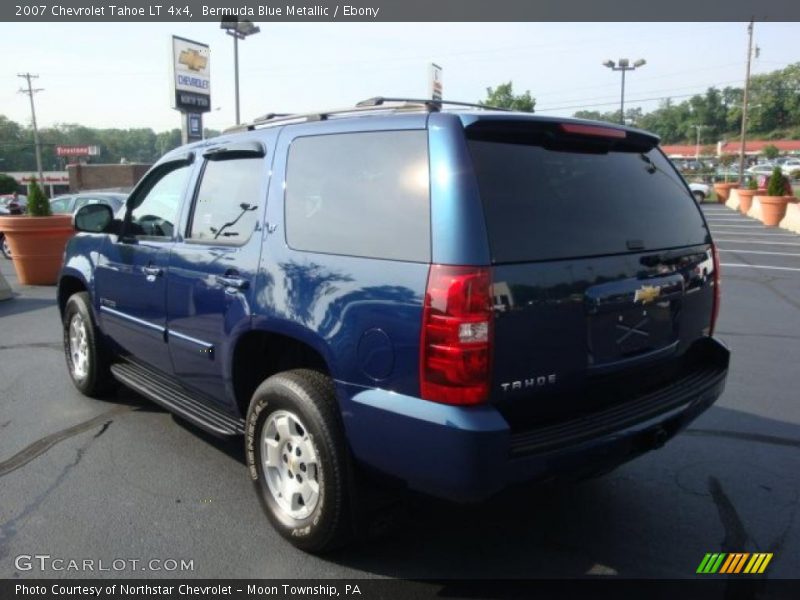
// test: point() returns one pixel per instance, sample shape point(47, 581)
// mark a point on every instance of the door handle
point(152, 272)
point(233, 283)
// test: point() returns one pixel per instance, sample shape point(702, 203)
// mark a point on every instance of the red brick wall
point(98, 177)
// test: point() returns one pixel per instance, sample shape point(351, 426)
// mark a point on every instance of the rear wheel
point(87, 359)
point(699, 197)
point(298, 460)
point(6, 249)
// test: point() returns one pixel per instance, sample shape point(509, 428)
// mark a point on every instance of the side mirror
point(93, 218)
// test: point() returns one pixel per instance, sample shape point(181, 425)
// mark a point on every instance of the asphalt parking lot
point(122, 479)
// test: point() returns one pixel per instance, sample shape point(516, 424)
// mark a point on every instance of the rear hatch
point(602, 265)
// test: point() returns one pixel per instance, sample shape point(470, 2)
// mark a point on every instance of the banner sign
point(435, 77)
point(77, 150)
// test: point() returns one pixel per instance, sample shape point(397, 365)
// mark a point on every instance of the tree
point(770, 152)
point(38, 205)
point(8, 185)
point(503, 97)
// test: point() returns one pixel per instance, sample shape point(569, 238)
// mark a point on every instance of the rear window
point(360, 194)
point(548, 204)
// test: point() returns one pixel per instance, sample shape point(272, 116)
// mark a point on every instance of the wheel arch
point(260, 353)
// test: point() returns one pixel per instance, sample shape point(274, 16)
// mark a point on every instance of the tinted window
point(155, 214)
point(550, 204)
point(226, 206)
point(361, 194)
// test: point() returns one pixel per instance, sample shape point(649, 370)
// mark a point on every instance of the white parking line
point(749, 226)
point(758, 242)
point(758, 252)
point(735, 265)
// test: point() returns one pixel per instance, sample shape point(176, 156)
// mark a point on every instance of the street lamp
point(697, 147)
point(239, 30)
point(623, 64)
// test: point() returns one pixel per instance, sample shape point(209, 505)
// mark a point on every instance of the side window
point(155, 214)
point(360, 194)
point(60, 205)
point(225, 209)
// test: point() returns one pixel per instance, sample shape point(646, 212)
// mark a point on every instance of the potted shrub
point(37, 240)
point(773, 205)
point(723, 188)
point(746, 195)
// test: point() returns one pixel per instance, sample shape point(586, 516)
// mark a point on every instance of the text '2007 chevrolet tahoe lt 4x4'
point(456, 300)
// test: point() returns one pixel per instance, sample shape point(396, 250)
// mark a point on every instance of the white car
point(700, 191)
point(764, 169)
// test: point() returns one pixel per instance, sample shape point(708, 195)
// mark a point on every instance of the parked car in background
point(763, 169)
point(70, 203)
point(700, 191)
point(11, 204)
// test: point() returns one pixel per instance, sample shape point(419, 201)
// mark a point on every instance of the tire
point(4, 247)
point(298, 460)
point(699, 197)
point(87, 360)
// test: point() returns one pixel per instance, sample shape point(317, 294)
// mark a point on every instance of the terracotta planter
point(723, 189)
point(746, 199)
point(37, 245)
point(773, 209)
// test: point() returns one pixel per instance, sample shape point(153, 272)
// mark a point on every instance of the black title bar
point(400, 10)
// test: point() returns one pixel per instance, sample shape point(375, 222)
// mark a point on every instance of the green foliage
point(38, 205)
point(771, 151)
point(777, 183)
point(774, 111)
point(752, 184)
point(503, 97)
point(8, 185)
point(726, 160)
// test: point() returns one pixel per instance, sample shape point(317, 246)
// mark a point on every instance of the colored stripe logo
point(734, 563)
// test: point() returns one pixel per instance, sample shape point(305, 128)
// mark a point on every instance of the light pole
point(697, 147)
point(37, 144)
point(239, 30)
point(744, 102)
point(623, 65)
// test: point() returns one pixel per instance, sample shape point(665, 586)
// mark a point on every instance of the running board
point(170, 395)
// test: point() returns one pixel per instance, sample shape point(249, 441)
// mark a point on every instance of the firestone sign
point(77, 150)
point(191, 76)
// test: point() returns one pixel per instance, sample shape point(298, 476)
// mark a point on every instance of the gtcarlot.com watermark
point(44, 563)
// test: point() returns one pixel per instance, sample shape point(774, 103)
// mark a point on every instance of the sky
point(118, 74)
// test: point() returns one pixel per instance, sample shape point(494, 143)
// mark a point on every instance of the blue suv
point(450, 301)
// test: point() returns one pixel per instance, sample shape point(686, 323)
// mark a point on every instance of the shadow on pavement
point(21, 304)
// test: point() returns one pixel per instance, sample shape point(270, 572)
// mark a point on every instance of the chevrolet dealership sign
point(191, 76)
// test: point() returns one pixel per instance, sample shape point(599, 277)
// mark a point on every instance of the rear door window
point(548, 204)
point(360, 194)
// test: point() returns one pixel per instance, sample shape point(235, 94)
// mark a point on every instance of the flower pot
point(746, 199)
point(723, 189)
point(773, 209)
point(37, 245)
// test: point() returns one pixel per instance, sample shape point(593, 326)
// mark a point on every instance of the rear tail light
point(455, 350)
point(717, 274)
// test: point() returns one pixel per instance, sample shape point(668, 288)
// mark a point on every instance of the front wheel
point(298, 459)
point(699, 197)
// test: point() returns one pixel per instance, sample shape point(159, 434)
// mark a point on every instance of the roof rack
point(378, 103)
point(430, 104)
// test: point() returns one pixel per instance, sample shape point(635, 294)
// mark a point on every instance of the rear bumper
point(470, 453)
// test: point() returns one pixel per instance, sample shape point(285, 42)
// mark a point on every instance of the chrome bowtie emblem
point(647, 294)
